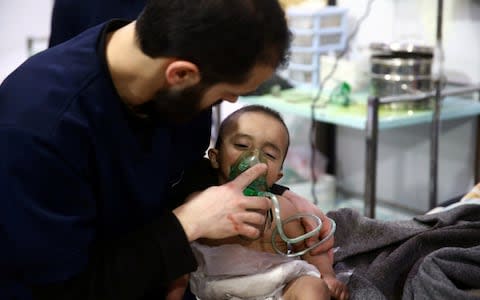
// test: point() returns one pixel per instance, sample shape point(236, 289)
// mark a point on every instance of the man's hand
point(223, 211)
point(305, 206)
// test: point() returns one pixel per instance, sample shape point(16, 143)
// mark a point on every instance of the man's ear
point(212, 155)
point(182, 73)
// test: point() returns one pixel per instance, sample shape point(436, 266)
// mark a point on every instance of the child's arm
point(323, 261)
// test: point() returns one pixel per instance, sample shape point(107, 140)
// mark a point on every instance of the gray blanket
point(429, 257)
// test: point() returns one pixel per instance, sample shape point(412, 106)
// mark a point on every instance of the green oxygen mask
point(259, 187)
point(246, 160)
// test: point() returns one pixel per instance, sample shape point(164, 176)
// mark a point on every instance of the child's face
point(252, 130)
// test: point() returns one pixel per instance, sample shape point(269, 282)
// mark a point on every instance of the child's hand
point(337, 288)
point(305, 206)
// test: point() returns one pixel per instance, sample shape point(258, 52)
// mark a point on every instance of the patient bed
point(432, 256)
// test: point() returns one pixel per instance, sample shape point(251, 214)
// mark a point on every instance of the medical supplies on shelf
point(316, 30)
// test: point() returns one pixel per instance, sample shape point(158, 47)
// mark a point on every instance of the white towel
point(236, 272)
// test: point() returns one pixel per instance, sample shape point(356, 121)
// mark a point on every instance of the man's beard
point(176, 106)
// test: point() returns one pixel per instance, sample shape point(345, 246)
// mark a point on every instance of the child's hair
point(250, 108)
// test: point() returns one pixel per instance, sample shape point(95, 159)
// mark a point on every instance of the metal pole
point(425, 95)
point(371, 157)
point(476, 172)
point(29, 46)
point(438, 74)
point(439, 21)
point(434, 147)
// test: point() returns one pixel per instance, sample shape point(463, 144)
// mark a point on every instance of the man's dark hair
point(250, 108)
point(224, 38)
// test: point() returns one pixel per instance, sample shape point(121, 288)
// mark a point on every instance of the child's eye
point(241, 146)
point(271, 156)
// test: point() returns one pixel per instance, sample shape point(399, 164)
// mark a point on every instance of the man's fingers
point(250, 223)
point(257, 203)
point(320, 249)
point(249, 175)
point(249, 231)
point(251, 218)
point(325, 230)
point(326, 227)
point(309, 224)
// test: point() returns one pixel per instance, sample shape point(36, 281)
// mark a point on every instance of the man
point(95, 132)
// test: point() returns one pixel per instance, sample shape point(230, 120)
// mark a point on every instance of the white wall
point(20, 19)
point(415, 20)
point(389, 20)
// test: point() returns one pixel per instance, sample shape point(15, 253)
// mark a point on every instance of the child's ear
point(212, 155)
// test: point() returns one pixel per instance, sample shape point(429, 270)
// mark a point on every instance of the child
point(240, 268)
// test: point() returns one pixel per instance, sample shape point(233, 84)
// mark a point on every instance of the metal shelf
point(372, 127)
point(367, 116)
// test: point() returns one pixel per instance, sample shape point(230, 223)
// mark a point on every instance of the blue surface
point(299, 102)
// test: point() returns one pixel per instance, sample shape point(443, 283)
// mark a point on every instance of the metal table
point(368, 118)
point(372, 125)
